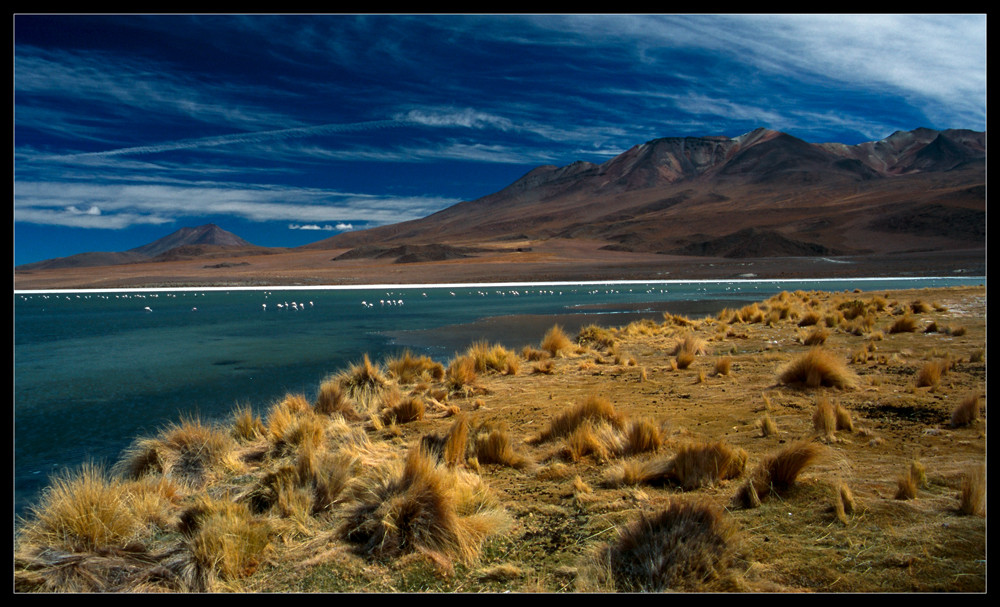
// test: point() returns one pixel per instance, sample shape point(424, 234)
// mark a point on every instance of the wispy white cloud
point(122, 205)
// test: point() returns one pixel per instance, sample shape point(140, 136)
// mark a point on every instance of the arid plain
point(818, 442)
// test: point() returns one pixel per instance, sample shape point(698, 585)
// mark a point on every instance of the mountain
point(764, 193)
point(203, 241)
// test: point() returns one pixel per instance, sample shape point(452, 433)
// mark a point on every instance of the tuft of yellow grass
point(225, 540)
point(767, 426)
point(420, 507)
point(818, 367)
point(189, 451)
point(494, 445)
point(364, 383)
point(556, 342)
point(972, 499)
point(84, 510)
point(247, 425)
point(698, 465)
point(331, 400)
point(930, 373)
point(777, 472)
point(461, 373)
point(903, 324)
point(843, 502)
point(723, 365)
point(593, 408)
point(408, 368)
point(966, 412)
point(824, 418)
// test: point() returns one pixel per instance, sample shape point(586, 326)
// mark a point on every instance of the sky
point(287, 129)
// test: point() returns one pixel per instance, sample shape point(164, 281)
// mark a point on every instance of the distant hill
point(208, 240)
point(764, 193)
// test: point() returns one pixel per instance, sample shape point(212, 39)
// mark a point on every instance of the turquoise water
point(93, 370)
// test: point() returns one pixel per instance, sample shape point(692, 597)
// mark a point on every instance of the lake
point(95, 369)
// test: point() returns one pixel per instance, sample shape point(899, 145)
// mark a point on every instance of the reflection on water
point(93, 370)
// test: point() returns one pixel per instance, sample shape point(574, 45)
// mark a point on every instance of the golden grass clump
point(903, 324)
point(723, 365)
point(452, 446)
point(420, 507)
point(844, 421)
point(825, 418)
point(556, 342)
point(290, 428)
point(84, 510)
point(410, 369)
point(405, 411)
point(767, 426)
point(777, 472)
point(593, 408)
point(247, 425)
point(972, 499)
point(818, 367)
point(332, 400)
point(966, 412)
point(682, 547)
point(364, 383)
point(226, 542)
point(698, 465)
point(931, 373)
point(843, 502)
point(189, 452)
point(493, 445)
point(493, 358)
point(595, 336)
point(461, 373)
point(817, 337)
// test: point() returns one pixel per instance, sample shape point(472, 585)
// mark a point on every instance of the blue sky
point(288, 129)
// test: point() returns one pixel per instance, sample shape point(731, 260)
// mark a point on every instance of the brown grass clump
point(723, 365)
point(966, 412)
point(906, 487)
point(596, 337)
point(452, 446)
point(419, 507)
point(556, 342)
point(410, 369)
point(679, 548)
point(705, 464)
point(544, 367)
point(972, 499)
point(405, 411)
point(332, 400)
point(843, 502)
point(494, 445)
point(594, 408)
point(816, 368)
point(844, 421)
point(767, 426)
point(777, 472)
point(903, 324)
point(289, 429)
point(825, 418)
point(817, 337)
point(930, 374)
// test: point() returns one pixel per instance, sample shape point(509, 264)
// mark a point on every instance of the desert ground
point(813, 442)
point(514, 261)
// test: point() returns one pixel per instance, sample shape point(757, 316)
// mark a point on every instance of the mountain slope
point(204, 241)
point(680, 195)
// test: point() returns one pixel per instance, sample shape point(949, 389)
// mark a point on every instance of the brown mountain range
point(913, 201)
point(762, 194)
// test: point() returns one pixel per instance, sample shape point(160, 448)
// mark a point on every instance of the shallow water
point(94, 370)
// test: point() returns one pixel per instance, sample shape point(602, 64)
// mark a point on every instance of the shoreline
point(459, 285)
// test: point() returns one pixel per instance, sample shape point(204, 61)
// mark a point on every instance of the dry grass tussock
point(966, 412)
point(972, 499)
point(593, 408)
point(680, 547)
point(190, 452)
point(418, 506)
point(364, 383)
point(777, 472)
point(556, 342)
point(410, 369)
point(816, 368)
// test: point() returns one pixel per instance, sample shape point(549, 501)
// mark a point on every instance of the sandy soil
point(552, 260)
point(567, 504)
